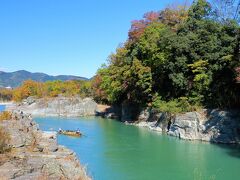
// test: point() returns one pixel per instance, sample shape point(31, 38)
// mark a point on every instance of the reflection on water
point(112, 150)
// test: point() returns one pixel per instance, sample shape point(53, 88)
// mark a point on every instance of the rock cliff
point(36, 154)
point(208, 125)
point(59, 106)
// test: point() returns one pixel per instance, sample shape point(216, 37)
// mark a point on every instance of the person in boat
point(78, 131)
point(60, 130)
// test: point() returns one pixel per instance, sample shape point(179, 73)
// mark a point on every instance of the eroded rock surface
point(208, 125)
point(59, 106)
point(36, 154)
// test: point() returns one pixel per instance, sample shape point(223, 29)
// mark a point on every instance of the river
point(2, 107)
point(113, 150)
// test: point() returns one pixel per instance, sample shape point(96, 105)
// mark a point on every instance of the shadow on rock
point(223, 125)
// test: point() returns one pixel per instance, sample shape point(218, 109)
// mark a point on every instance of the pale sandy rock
point(59, 106)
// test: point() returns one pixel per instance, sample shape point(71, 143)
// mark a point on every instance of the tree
point(52, 89)
point(227, 10)
point(173, 17)
point(138, 26)
point(28, 88)
point(178, 55)
point(5, 94)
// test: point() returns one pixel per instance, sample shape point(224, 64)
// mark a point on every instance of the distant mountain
point(15, 79)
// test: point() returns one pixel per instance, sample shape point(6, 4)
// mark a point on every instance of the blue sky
point(66, 36)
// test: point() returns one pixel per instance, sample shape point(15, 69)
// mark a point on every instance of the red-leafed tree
point(172, 17)
point(138, 26)
point(98, 93)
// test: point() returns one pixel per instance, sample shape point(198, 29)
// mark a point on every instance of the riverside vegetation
point(5, 138)
point(47, 90)
point(176, 60)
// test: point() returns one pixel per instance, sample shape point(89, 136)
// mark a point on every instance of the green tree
point(183, 56)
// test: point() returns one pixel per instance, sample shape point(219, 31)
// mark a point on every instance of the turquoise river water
point(112, 150)
point(2, 107)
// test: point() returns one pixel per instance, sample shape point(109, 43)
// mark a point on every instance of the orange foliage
point(29, 88)
point(5, 94)
point(51, 89)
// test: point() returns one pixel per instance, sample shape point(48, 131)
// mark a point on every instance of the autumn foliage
point(4, 141)
point(51, 89)
point(5, 94)
point(138, 26)
point(178, 57)
point(99, 93)
point(5, 115)
point(171, 17)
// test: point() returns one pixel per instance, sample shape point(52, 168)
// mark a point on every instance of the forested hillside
point(16, 78)
point(177, 58)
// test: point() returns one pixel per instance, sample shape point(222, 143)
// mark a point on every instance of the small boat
point(70, 133)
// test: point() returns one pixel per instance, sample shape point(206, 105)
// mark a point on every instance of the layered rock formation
point(209, 125)
point(36, 154)
point(59, 106)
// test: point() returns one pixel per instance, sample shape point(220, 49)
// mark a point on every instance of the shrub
point(170, 106)
point(5, 94)
point(5, 115)
point(174, 106)
point(4, 141)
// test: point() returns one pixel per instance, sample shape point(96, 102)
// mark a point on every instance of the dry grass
point(4, 141)
point(5, 115)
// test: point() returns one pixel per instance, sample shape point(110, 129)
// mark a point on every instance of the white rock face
point(59, 106)
point(186, 126)
point(209, 125)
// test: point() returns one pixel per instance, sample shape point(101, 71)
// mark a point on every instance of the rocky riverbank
point(211, 125)
point(35, 154)
point(207, 125)
point(58, 106)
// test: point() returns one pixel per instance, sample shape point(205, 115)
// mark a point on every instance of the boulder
point(185, 126)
